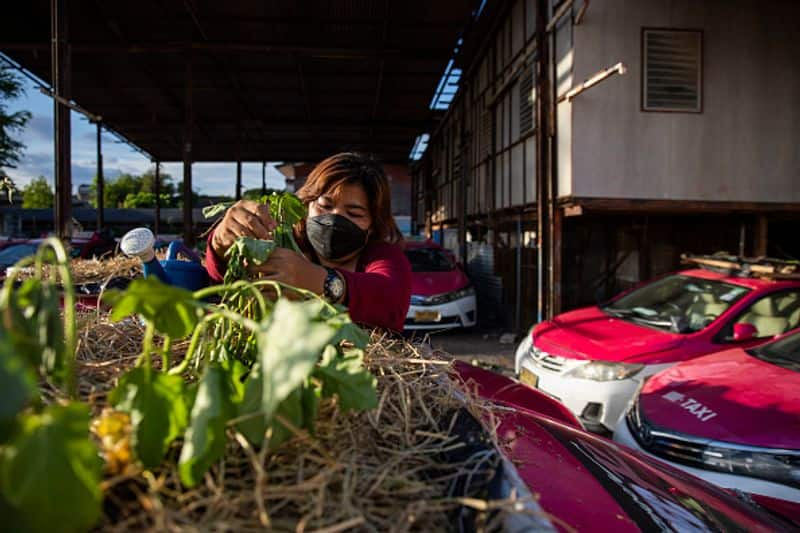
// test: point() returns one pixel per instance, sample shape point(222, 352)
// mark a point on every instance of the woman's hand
point(245, 218)
point(291, 268)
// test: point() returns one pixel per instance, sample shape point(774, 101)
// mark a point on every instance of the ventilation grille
point(672, 70)
point(526, 100)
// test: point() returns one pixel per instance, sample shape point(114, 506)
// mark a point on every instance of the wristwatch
point(333, 288)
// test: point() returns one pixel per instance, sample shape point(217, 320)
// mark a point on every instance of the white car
point(441, 294)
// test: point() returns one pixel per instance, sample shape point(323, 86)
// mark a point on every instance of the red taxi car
point(578, 481)
point(732, 418)
point(594, 359)
point(441, 294)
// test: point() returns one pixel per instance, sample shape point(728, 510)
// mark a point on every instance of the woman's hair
point(354, 169)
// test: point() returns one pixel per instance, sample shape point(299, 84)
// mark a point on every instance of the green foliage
point(170, 309)
point(217, 395)
point(344, 376)
point(251, 365)
point(18, 383)
point(290, 346)
point(131, 191)
point(10, 123)
point(159, 411)
point(246, 250)
point(50, 472)
point(37, 194)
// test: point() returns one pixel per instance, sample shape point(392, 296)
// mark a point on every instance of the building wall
point(742, 147)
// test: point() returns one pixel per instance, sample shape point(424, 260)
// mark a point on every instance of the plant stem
point(147, 345)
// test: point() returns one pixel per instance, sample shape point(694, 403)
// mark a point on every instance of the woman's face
point(348, 200)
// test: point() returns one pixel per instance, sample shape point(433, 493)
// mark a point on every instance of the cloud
point(40, 128)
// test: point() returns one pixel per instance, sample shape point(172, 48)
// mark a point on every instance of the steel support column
point(542, 160)
point(61, 76)
point(238, 195)
point(157, 221)
point(100, 179)
point(188, 234)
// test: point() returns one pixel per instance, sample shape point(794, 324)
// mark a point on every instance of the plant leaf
point(286, 208)
point(172, 310)
point(204, 442)
point(159, 407)
point(18, 383)
point(289, 347)
point(254, 426)
point(51, 471)
point(291, 410)
point(348, 331)
point(211, 211)
point(346, 377)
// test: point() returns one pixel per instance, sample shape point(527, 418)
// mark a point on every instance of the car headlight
point(605, 371)
point(439, 299)
point(780, 466)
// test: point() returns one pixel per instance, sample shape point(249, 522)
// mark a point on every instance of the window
point(672, 70)
point(681, 304)
point(773, 314)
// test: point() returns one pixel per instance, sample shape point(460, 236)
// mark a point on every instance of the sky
point(118, 158)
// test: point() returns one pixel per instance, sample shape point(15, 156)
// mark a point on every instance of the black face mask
point(334, 236)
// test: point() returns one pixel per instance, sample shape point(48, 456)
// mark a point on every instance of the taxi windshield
point(783, 352)
point(678, 303)
point(429, 260)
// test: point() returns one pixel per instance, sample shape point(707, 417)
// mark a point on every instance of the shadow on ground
point(483, 347)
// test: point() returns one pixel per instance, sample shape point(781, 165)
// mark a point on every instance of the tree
point(37, 194)
point(256, 194)
point(10, 123)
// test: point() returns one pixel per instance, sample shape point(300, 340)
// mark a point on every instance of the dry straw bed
point(417, 462)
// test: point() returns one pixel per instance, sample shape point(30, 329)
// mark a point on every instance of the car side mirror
point(744, 332)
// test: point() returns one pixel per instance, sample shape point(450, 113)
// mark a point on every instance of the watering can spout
point(140, 243)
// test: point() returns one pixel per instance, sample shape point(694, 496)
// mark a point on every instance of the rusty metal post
point(238, 178)
point(542, 164)
point(188, 234)
point(157, 222)
point(263, 178)
point(100, 179)
point(60, 72)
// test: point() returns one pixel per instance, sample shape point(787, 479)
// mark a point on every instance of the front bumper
point(623, 435)
point(456, 314)
point(597, 404)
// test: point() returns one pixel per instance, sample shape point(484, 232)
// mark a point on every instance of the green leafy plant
point(254, 364)
point(50, 469)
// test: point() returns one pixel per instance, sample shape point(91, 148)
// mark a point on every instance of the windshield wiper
point(619, 313)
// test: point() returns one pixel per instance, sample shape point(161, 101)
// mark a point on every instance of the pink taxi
point(594, 359)
point(732, 418)
point(441, 294)
point(567, 479)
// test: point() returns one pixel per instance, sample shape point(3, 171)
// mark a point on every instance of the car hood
point(582, 480)
point(432, 283)
point(729, 396)
point(591, 334)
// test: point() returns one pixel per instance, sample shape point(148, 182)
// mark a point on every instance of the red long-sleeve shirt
point(378, 292)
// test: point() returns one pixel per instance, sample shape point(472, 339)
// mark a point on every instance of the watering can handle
point(176, 247)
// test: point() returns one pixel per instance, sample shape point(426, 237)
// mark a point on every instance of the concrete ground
point(485, 347)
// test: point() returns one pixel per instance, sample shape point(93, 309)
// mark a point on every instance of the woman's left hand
point(292, 268)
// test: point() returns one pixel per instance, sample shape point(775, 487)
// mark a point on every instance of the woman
point(352, 246)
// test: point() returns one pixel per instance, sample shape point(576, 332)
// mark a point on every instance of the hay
point(399, 467)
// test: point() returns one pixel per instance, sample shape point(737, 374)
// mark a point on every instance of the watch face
point(336, 287)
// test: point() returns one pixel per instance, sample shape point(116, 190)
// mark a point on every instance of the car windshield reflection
point(681, 304)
